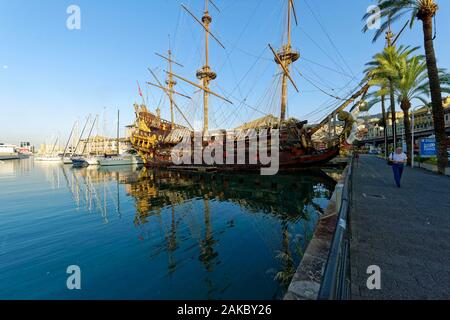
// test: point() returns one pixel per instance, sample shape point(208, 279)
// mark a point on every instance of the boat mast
point(118, 125)
point(68, 140)
point(205, 74)
point(170, 84)
point(284, 58)
point(81, 136)
point(160, 85)
point(54, 146)
point(105, 141)
point(287, 57)
point(89, 136)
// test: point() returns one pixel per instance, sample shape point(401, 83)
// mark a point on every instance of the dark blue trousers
point(398, 172)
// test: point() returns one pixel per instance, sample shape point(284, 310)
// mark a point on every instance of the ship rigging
point(154, 138)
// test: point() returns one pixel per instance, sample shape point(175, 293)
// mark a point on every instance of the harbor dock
point(403, 231)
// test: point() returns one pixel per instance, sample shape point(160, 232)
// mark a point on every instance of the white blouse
point(398, 157)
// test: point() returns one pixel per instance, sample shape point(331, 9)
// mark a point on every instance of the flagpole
point(140, 92)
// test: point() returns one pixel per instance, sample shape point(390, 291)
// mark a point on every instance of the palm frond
point(392, 11)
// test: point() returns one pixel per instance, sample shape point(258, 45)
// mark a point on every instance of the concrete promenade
point(406, 232)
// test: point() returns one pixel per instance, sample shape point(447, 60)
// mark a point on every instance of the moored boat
point(93, 161)
point(47, 158)
point(155, 138)
point(66, 160)
point(8, 152)
point(120, 160)
point(79, 162)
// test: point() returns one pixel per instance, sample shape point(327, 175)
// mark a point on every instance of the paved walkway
point(406, 232)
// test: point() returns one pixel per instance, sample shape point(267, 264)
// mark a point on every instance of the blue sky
point(51, 76)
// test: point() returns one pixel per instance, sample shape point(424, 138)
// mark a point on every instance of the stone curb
point(306, 283)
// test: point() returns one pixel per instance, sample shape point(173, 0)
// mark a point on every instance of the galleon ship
point(154, 138)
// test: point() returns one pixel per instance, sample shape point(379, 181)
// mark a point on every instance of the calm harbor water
point(142, 234)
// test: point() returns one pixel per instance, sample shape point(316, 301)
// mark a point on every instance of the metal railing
point(336, 279)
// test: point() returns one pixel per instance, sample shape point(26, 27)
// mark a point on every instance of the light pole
point(412, 136)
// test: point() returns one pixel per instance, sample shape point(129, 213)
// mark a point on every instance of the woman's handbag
point(389, 161)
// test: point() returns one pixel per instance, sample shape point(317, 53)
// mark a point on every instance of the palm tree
point(423, 10)
point(383, 72)
point(412, 84)
point(379, 96)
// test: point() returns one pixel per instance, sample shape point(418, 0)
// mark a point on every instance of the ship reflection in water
point(141, 234)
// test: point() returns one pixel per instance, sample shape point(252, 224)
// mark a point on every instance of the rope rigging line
point(352, 94)
point(325, 52)
point(324, 108)
point(243, 101)
point(154, 100)
point(253, 55)
point(243, 78)
point(274, 102)
point(328, 36)
point(234, 45)
point(179, 22)
point(326, 67)
point(317, 87)
point(319, 110)
point(324, 82)
point(254, 110)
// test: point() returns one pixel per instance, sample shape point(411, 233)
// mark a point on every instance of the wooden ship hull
point(154, 139)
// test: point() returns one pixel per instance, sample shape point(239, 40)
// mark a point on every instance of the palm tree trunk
point(406, 105)
point(383, 112)
point(393, 114)
point(436, 95)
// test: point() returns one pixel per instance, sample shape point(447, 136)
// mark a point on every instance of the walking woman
point(398, 160)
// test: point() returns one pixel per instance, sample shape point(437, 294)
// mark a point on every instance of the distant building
point(7, 149)
point(104, 145)
point(423, 122)
point(26, 148)
point(129, 131)
point(50, 149)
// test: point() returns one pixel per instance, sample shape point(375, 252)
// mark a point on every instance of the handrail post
point(335, 283)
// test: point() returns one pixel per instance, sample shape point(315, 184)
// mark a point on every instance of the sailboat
point(49, 157)
point(81, 161)
point(65, 158)
point(154, 138)
point(119, 159)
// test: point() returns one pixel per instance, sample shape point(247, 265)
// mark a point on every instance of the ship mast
point(285, 57)
point(205, 74)
point(171, 83)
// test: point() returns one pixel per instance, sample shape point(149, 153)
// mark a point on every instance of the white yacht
point(66, 160)
point(137, 159)
point(8, 152)
point(94, 161)
point(47, 158)
point(120, 160)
